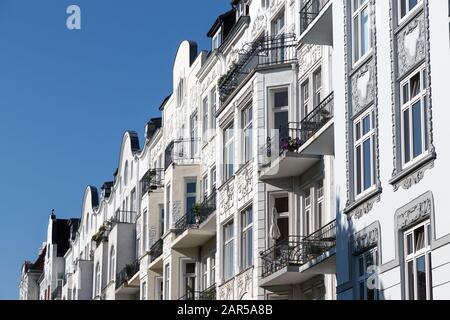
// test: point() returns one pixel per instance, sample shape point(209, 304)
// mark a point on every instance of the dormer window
point(242, 9)
point(217, 39)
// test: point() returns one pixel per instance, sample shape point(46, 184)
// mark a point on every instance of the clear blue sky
point(66, 98)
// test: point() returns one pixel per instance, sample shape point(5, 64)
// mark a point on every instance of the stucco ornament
point(245, 283)
point(226, 292)
point(259, 23)
point(227, 198)
point(362, 87)
point(411, 45)
point(365, 207)
point(419, 209)
point(245, 182)
point(308, 56)
point(275, 5)
point(413, 178)
point(365, 239)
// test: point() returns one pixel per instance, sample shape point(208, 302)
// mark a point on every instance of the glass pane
point(428, 235)
point(406, 139)
point(421, 279)
point(282, 204)
point(403, 8)
point(410, 277)
point(409, 244)
point(361, 269)
point(362, 290)
point(357, 131)
point(281, 120)
point(370, 294)
point(412, 4)
point(281, 99)
point(367, 165)
point(366, 125)
point(405, 93)
point(415, 85)
point(191, 187)
point(365, 29)
point(419, 237)
point(358, 170)
point(417, 128)
point(356, 39)
point(430, 278)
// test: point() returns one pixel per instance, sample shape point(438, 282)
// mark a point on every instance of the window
point(168, 208)
point(213, 179)
point(281, 203)
point(205, 273)
point(307, 108)
point(228, 155)
point(362, 42)
point(217, 39)
point(194, 135)
point(317, 81)
point(278, 30)
point(213, 104)
point(242, 9)
point(265, 4)
point(133, 201)
point(364, 152)
point(247, 238)
point(281, 111)
point(205, 187)
point(144, 231)
point(180, 92)
point(278, 24)
point(320, 205)
point(413, 116)
point(406, 6)
point(309, 229)
point(205, 120)
point(228, 251)
point(132, 170)
point(191, 194)
point(125, 174)
point(247, 129)
point(87, 223)
point(212, 269)
point(144, 291)
point(159, 289)
point(97, 286)
point(417, 267)
point(161, 220)
point(167, 282)
point(112, 264)
point(189, 280)
point(365, 265)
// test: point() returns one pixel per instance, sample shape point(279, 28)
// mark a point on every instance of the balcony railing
point(297, 251)
point(124, 217)
point(208, 294)
point(267, 51)
point(127, 273)
point(182, 151)
point(152, 180)
point(293, 136)
point(309, 12)
point(197, 215)
point(156, 250)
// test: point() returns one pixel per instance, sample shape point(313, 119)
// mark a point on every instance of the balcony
point(182, 151)
point(208, 294)
point(127, 280)
point(197, 226)
point(298, 259)
point(295, 148)
point(125, 217)
point(152, 180)
point(265, 52)
point(316, 22)
point(155, 254)
point(57, 293)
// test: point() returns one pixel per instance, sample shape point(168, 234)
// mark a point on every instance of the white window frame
point(112, 264)
point(217, 40)
point(415, 255)
point(306, 97)
point(228, 242)
point(167, 282)
point(204, 187)
point(144, 291)
point(408, 11)
point(247, 133)
point(228, 164)
point(205, 272)
point(364, 275)
point(246, 238)
point(359, 142)
point(356, 14)
point(213, 108)
point(407, 106)
point(205, 122)
point(194, 135)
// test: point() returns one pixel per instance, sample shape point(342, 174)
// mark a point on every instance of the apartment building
point(30, 275)
point(294, 159)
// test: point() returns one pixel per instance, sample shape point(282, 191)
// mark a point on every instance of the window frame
point(228, 146)
point(247, 133)
point(356, 13)
point(404, 106)
point(363, 275)
point(166, 288)
point(205, 122)
point(408, 11)
point(359, 142)
point(228, 249)
point(246, 242)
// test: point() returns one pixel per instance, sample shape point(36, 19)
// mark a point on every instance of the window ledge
point(363, 205)
point(412, 175)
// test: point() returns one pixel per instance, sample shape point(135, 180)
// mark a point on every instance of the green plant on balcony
point(197, 209)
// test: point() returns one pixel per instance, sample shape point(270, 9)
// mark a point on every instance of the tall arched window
point(97, 280)
point(87, 223)
point(112, 264)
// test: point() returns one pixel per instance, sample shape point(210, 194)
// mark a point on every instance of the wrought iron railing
point(266, 51)
point(152, 180)
point(293, 136)
point(127, 273)
point(182, 151)
point(208, 294)
point(124, 217)
point(197, 215)
point(309, 12)
point(156, 250)
point(297, 251)
point(57, 293)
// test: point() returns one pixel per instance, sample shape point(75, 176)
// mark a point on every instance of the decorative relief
point(309, 55)
point(411, 45)
point(413, 178)
point(226, 292)
point(363, 89)
point(151, 235)
point(211, 78)
point(365, 239)
point(275, 5)
point(245, 283)
point(259, 23)
point(416, 211)
point(227, 198)
point(245, 182)
point(365, 207)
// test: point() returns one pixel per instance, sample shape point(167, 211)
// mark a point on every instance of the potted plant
point(291, 144)
point(197, 209)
